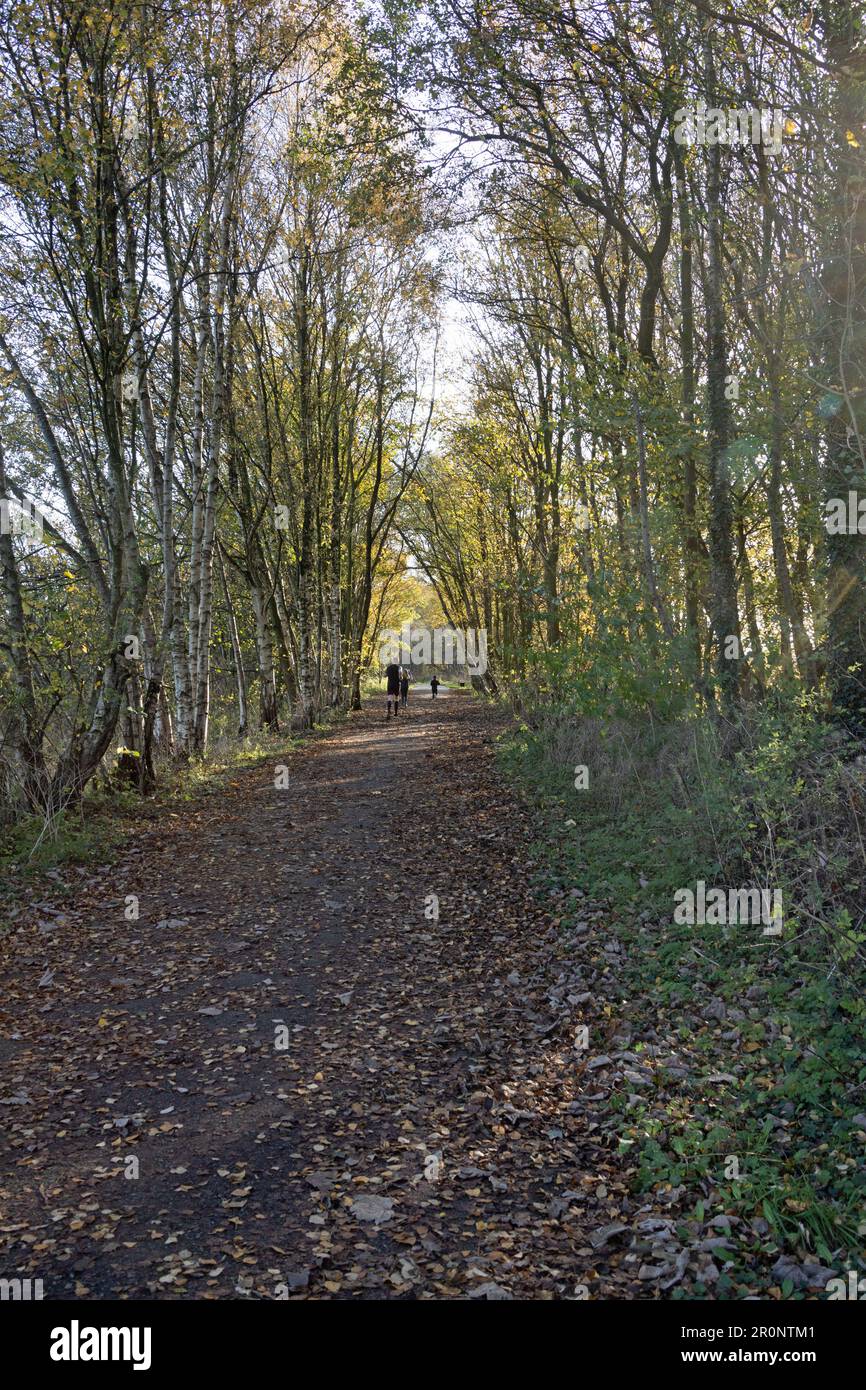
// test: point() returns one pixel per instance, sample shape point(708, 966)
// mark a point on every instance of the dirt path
point(326, 1091)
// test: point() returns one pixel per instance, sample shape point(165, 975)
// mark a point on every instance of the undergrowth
point(781, 1017)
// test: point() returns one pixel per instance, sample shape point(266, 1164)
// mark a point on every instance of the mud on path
point(327, 1092)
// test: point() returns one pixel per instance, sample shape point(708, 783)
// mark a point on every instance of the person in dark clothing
point(434, 686)
point(404, 686)
point(392, 677)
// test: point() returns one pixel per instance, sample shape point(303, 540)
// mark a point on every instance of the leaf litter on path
point(386, 1101)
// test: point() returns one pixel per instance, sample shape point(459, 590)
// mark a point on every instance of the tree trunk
point(844, 284)
point(723, 595)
